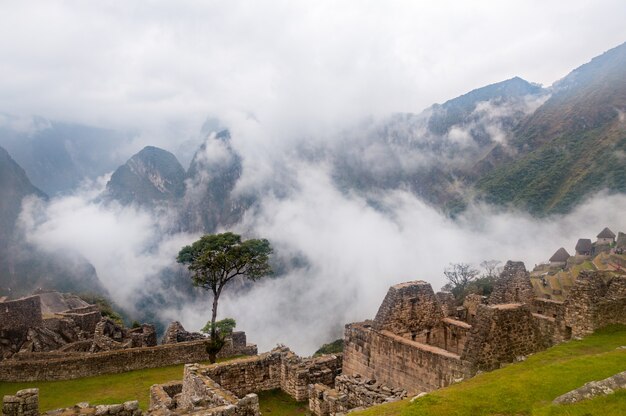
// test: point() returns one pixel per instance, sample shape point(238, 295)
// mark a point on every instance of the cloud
point(289, 78)
point(354, 252)
point(296, 67)
point(128, 246)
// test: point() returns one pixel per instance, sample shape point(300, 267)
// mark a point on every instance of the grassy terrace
point(528, 388)
point(133, 385)
point(525, 388)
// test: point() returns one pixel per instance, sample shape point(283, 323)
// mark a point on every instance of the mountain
point(210, 200)
point(461, 110)
point(150, 177)
point(572, 145)
point(23, 267)
point(432, 154)
point(14, 186)
point(58, 156)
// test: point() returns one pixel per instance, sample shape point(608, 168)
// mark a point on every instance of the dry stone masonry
point(418, 342)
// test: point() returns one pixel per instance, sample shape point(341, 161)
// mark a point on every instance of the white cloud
point(297, 67)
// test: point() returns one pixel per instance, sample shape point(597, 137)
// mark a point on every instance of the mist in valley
point(327, 106)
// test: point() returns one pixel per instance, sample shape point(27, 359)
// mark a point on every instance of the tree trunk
point(212, 350)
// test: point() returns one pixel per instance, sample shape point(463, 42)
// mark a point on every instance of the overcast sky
point(275, 72)
point(296, 67)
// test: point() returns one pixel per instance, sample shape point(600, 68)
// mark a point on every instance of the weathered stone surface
point(66, 366)
point(176, 333)
point(470, 303)
point(597, 299)
point(279, 368)
point(350, 393)
point(503, 334)
point(448, 303)
point(399, 362)
point(513, 285)
point(23, 403)
point(21, 314)
point(594, 389)
point(410, 309)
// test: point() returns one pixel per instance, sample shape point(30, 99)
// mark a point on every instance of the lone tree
point(214, 260)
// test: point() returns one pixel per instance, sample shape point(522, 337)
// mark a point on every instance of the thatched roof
point(583, 245)
point(561, 255)
point(606, 233)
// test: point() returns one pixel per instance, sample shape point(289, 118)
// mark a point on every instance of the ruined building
point(418, 343)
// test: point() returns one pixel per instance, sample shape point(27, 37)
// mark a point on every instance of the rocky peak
point(153, 175)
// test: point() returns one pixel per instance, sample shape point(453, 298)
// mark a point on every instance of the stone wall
point(199, 394)
point(279, 368)
point(350, 393)
point(23, 403)
point(410, 310)
point(20, 314)
point(503, 334)
point(548, 307)
point(470, 304)
point(451, 335)
point(165, 396)
point(399, 362)
point(448, 303)
point(513, 285)
point(26, 403)
point(581, 303)
point(86, 319)
point(298, 373)
point(74, 365)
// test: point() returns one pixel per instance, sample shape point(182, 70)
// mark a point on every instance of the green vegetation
point(332, 348)
point(133, 385)
point(528, 388)
point(107, 307)
point(104, 389)
point(279, 403)
point(222, 327)
point(215, 260)
point(557, 175)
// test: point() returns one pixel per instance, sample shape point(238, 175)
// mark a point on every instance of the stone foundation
point(399, 362)
point(23, 403)
point(503, 334)
point(66, 366)
point(279, 368)
point(410, 310)
point(350, 393)
point(26, 403)
point(513, 285)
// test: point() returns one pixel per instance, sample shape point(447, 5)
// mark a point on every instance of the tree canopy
point(216, 259)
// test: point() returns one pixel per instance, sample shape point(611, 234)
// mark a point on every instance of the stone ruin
point(55, 322)
point(26, 403)
point(50, 323)
point(419, 341)
point(176, 333)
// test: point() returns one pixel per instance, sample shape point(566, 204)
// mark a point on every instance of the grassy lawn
point(528, 388)
point(105, 389)
point(279, 403)
point(134, 385)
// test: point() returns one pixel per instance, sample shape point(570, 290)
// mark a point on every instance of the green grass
point(104, 389)
point(279, 403)
point(134, 385)
point(528, 388)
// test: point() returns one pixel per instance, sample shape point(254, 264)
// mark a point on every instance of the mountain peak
point(151, 175)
